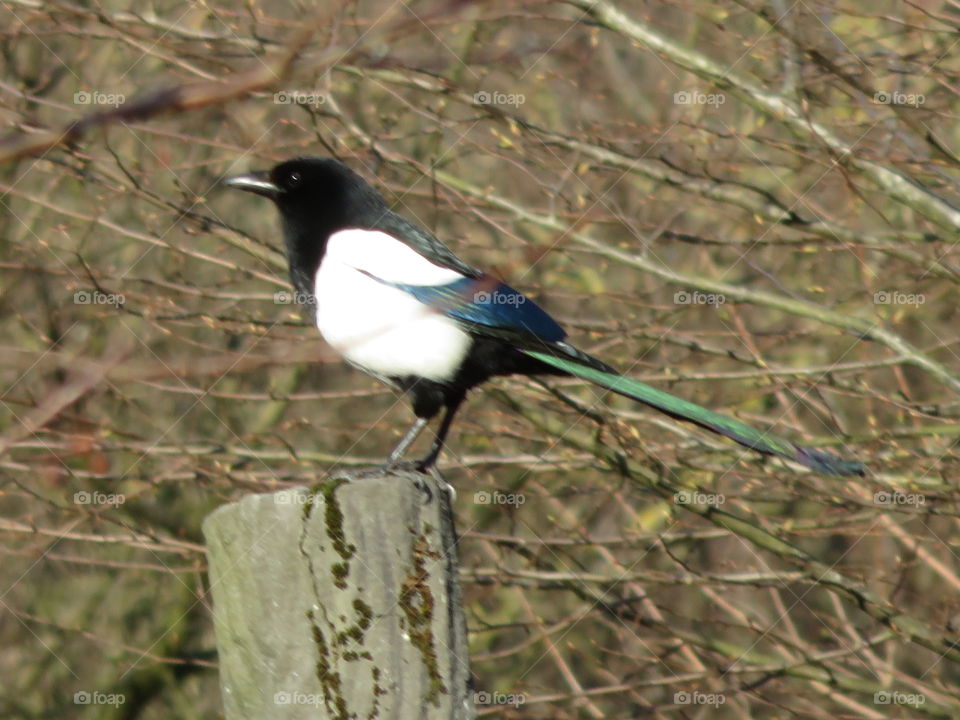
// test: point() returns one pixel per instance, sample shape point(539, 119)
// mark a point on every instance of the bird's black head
point(316, 197)
point(320, 190)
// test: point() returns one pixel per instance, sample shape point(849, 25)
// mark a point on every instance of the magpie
point(396, 303)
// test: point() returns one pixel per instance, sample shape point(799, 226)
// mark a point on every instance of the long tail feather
point(579, 364)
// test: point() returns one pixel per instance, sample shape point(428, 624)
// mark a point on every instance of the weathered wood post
point(340, 602)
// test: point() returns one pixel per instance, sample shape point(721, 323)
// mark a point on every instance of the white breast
point(379, 328)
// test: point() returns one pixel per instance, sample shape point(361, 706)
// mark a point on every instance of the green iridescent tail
point(581, 365)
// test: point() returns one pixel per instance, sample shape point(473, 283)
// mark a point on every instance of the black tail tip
point(827, 463)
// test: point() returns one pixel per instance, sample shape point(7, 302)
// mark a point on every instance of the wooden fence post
point(340, 602)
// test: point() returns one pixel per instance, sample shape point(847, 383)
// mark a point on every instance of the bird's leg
point(393, 461)
point(430, 458)
point(406, 441)
point(427, 462)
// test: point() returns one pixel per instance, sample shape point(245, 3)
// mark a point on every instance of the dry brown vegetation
point(752, 205)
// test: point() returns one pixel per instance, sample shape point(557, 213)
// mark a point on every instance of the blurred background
point(751, 205)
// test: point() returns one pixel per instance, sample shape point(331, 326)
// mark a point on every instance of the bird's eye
point(293, 180)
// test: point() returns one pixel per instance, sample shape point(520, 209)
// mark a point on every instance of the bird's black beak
point(255, 182)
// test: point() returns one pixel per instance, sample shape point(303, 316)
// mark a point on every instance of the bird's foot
point(390, 467)
point(401, 466)
point(422, 466)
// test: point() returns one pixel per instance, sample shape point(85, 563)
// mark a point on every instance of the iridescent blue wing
point(485, 302)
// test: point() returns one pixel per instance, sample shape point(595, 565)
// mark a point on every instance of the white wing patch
point(379, 328)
